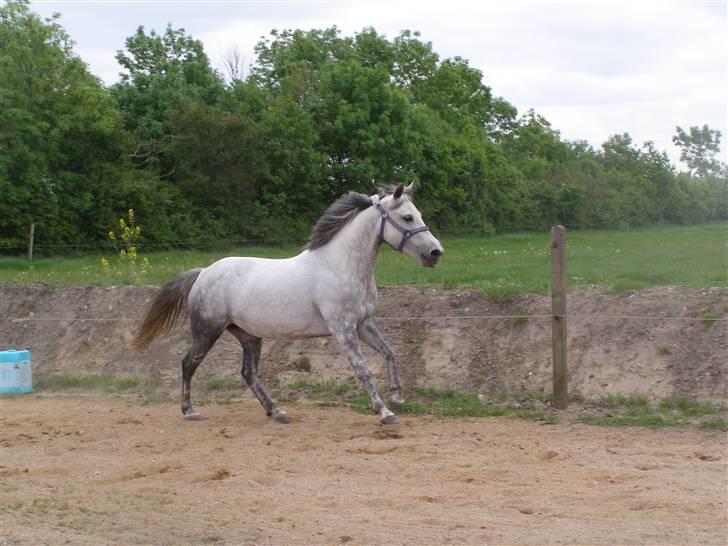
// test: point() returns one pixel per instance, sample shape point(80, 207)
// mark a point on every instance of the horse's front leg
point(369, 333)
point(346, 336)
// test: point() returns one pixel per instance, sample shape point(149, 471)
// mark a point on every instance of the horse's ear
point(408, 188)
point(398, 191)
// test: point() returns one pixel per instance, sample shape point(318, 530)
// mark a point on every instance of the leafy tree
point(414, 61)
point(318, 114)
point(456, 91)
point(698, 148)
point(290, 62)
point(161, 73)
point(61, 145)
point(166, 76)
point(249, 175)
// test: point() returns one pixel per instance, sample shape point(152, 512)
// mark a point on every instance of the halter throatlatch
point(406, 233)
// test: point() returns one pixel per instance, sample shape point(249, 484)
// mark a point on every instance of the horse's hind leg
point(251, 356)
point(369, 333)
point(203, 338)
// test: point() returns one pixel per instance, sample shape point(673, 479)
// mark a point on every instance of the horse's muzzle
point(431, 259)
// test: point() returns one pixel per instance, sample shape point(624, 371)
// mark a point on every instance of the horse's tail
point(164, 311)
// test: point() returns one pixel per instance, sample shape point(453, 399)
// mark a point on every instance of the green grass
point(688, 408)
point(303, 363)
point(502, 266)
point(622, 400)
point(693, 256)
point(715, 423)
point(223, 383)
point(423, 401)
point(634, 418)
point(85, 269)
point(709, 319)
point(520, 317)
point(91, 382)
point(636, 410)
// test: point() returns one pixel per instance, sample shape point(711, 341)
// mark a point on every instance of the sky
point(592, 68)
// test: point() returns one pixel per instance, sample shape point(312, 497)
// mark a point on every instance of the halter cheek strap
point(406, 233)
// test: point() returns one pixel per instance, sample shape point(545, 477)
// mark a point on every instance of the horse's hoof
point(396, 401)
point(390, 419)
point(280, 416)
point(194, 416)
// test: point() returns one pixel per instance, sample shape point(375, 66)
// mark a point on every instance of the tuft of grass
point(632, 418)
point(636, 410)
point(519, 318)
point(303, 363)
point(325, 391)
point(709, 319)
point(423, 401)
point(92, 382)
point(29, 305)
point(618, 400)
point(450, 403)
point(689, 408)
point(664, 350)
point(222, 383)
point(715, 423)
point(76, 525)
point(40, 505)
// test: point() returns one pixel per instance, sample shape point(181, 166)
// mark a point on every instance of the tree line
point(259, 153)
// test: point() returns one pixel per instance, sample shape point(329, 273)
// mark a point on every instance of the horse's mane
point(340, 213)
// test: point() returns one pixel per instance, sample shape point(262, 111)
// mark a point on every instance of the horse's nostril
point(436, 253)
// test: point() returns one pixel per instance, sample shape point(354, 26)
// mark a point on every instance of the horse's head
point(403, 229)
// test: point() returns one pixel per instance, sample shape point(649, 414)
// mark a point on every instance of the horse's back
point(272, 298)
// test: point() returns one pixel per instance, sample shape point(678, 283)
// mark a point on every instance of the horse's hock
point(82, 329)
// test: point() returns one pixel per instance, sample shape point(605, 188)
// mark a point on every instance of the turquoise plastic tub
point(16, 374)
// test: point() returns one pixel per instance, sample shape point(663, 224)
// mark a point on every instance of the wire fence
point(282, 241)
point(546, 316)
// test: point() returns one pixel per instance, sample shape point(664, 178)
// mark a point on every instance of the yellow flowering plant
point(125, 264)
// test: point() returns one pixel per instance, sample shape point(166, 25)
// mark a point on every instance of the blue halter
point(406, 233)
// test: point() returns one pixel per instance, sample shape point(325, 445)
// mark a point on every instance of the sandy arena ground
point(94, 470)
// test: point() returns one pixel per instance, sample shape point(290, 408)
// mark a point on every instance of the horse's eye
point(407, 218)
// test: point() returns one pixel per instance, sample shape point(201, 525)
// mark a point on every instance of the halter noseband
point(406, 233)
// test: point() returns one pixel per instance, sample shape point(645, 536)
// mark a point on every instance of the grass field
point(692, 256)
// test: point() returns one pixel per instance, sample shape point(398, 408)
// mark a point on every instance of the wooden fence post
point(558, 310)
point(31, 236)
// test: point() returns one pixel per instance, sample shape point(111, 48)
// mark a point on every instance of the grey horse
point(326, 290)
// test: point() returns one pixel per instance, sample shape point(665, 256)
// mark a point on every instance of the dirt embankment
point(443, 338)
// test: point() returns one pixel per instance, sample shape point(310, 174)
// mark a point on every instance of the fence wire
point(414, 319)
point(504, 230)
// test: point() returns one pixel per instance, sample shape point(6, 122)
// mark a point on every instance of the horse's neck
point(354, 250)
